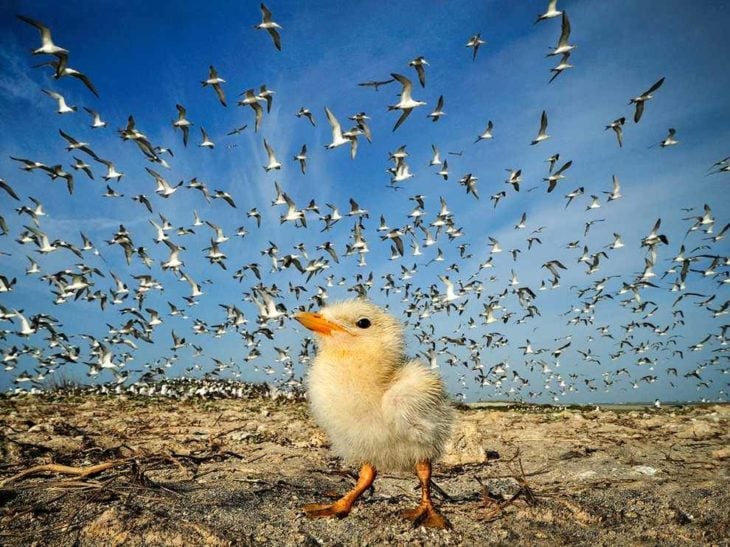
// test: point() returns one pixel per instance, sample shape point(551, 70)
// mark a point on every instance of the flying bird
point(252, 100)
point(669, 140)
point(561, 66)
point(645, 96)
point(487, 134)
point(182, 123)
point(563, 46)
point(617, 126)
point(376, 83)
point(419, 63)
point(438, 111)
point(47, 45)
point(301, 157)
point(553, 179)
point(272, 163)
point(269, 26)
point(63, 107)
point(542, 133)
point(550, 12)
point(475, 42)
point(215, 81)
point(406, 103)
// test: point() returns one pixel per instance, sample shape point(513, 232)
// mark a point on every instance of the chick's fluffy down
point(408, 422)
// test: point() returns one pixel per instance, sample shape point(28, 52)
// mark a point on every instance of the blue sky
point(145, 60)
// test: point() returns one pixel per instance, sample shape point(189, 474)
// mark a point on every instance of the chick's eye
point(363, 323)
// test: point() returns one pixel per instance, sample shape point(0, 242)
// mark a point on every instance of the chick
point(379, 409)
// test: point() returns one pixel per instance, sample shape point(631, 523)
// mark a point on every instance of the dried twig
point(495, 508)
point(65, 469)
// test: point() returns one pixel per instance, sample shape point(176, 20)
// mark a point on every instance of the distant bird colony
point(457, 320)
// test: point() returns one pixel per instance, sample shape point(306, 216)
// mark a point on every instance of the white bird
point(550, 12)
point(669, 140)
point(542, 134)
point(617, 126)
point(561, 66)
point(301, 157)
point(418, 63)
point(269, 26)
point(563, 46)
point(215, 81)
point(641, 99)
point(307, 114)
point(406, 103)
point(47, 45)
point(438, 111)
point(96, 121)
point(337, 138)
point(616, 192)
point(487, 134)
point(436, 157)
point(553, 179)
point(206, 142)
point(111, 172)
point(273, 163)
point(252, 100)
point(63, 108)
point(25, 327)
point(475, 42)
point(182, 123)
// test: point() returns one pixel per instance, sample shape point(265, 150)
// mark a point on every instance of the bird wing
point(565, 167)
point(415, 406)
point(543, 123)
point(259, 114)
point(407, 87)
point(421, 75)
point(265, 13)
point(402, 118)
point(336, 129)
point(85, 79)
point(653, 88)
point(275, 37)
point(565, 30)
point(219, 92)
point(269, 150)
point(639, 111)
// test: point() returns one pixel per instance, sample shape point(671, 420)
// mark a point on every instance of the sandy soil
point(237, 472)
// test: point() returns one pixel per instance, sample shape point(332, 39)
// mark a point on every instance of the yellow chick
point(379, 409)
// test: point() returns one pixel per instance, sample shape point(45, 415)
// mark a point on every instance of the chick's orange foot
point(426, 515)
point(318, 510)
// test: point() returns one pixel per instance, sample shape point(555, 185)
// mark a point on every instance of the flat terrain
point(237, 472)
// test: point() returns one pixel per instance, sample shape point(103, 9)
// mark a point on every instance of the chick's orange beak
point(316, 323)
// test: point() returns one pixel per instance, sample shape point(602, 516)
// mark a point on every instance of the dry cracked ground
point(111, 471)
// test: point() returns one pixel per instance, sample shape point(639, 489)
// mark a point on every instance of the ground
point(238, 471)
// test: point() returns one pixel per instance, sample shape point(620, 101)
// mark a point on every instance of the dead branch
point(65, 469)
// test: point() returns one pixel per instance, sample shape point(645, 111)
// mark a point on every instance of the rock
point(697, 430)
point(645, 470)
point(586, 475)
point(721, 453)
point(465, 445)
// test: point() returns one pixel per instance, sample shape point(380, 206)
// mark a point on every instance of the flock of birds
point(36, 345)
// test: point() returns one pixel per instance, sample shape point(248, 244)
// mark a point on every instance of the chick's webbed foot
point(426, 515)
point(319, 510)
point(341, 508)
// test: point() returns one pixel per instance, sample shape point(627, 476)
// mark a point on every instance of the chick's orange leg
point(425, 514)
point(342, 506)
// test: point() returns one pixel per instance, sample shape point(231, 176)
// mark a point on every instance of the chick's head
point(357, 328)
